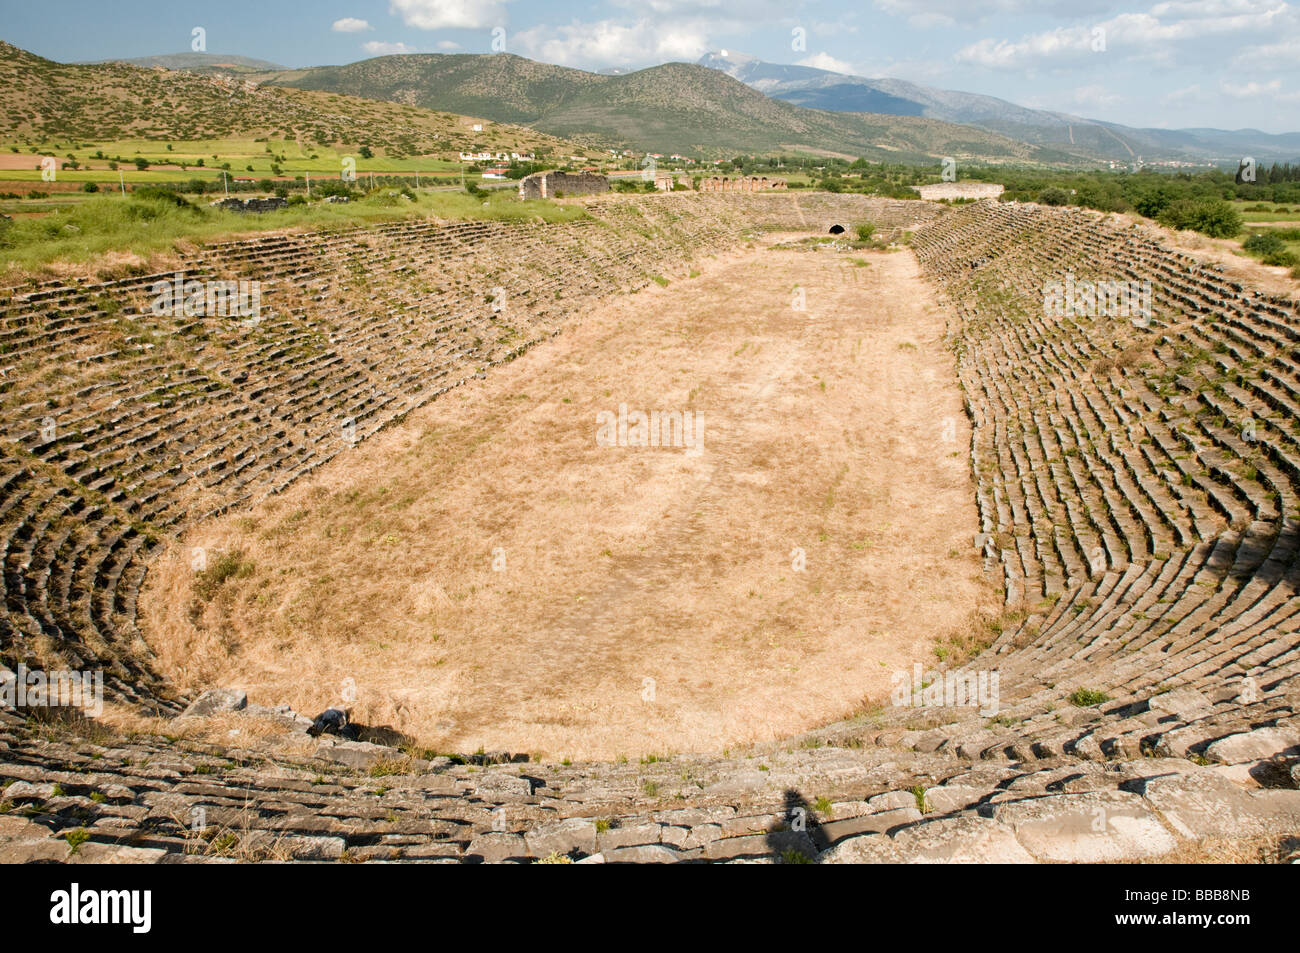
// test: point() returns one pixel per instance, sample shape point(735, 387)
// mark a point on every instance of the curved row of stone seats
point(1059, 407)
point(148, 799)
point(1136, 483)
point(816, 211)
point(1188, 624)
point(126, 423)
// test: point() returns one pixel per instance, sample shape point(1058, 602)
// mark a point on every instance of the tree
point(1213, 217)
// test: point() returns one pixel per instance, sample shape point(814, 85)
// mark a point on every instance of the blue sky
point(1183, 63)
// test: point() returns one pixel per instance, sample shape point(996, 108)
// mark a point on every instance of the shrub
point(153, 202)
point(75, 838)
point(1270, 248)
point(1263, 243)
point(865, 231)
point(90, 187)
point(1213, 217)
point(1054, 196)
point(1087, 697)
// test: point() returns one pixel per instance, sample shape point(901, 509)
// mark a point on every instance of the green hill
point(43, 101)
point(201, 63)
point(677, 107)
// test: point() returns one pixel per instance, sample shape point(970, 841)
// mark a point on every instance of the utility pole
point(308, 185)
point(121, 181)
point(225, 181)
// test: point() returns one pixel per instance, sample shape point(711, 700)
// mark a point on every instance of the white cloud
point(1095, 95)
point(1270, 91)
point(350, 25)
point(745, 15)
point(833, 27)
point(1270, 56)
point(1188, 94)
point(377, 48)
point(676, 8)
point(448, 45)
point(1157, 35)
point(827, 62)
point(450, 14)
point(1051, 48)
point(613, 43)
point(946, 13)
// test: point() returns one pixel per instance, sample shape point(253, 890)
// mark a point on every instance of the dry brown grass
point(622, 564)
point(120, 723)
point(1252, 849)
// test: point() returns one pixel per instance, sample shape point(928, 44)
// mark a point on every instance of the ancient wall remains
point(748, 183)
point(960, 190)
point(547, 185)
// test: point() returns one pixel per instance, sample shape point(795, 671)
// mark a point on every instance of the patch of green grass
point(1087, 697)
point(143, 223)
point(227, 566)
point(793, 856)
point(918, 793)
point(75, 838)
point(554, 857)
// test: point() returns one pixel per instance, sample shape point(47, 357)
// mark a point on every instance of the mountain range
point(731, 103)
point(839, 92)
point(674, 108)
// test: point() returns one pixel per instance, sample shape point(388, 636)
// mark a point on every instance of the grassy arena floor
point(837, 430)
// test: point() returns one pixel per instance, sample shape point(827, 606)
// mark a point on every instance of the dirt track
point(648, 599)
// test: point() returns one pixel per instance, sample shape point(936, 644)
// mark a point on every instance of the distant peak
point(734, 57)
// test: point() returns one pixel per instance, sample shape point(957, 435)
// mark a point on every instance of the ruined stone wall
point(749, 183)
point(545, 185)
point(252, 205)
point(960, 190)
